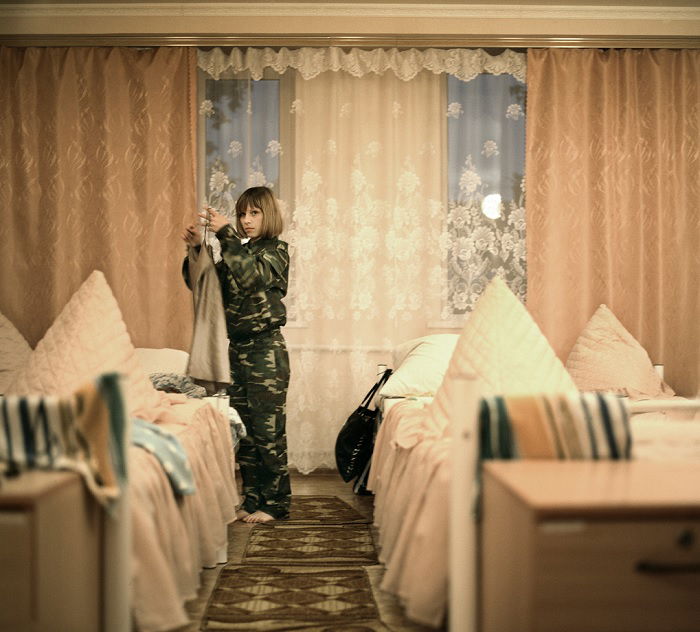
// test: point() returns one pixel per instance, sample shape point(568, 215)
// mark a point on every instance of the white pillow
point(87, 338)
point(14, 351)
point(163, 360)
point(420, 365)
point(504, 351)
point(607, 357)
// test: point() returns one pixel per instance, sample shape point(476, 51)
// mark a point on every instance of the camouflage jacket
point(253, 279)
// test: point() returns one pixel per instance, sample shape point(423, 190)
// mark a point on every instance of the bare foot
point(258, 516)
point(242, 513)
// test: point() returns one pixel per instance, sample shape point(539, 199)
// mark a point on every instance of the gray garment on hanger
point(208, 364)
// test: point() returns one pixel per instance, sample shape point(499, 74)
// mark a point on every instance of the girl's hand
point(191, 236)
point(216, 221)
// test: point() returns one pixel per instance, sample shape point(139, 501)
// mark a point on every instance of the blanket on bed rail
point(563, 426)
point(84, 433)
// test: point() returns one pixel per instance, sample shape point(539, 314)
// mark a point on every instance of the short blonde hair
point(263, 199)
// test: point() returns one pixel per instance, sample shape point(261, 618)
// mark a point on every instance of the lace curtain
point(384, 248)
point(485, 230)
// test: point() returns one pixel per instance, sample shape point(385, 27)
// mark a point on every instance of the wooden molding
point(207, 40)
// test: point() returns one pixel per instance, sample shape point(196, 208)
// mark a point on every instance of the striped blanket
point(84, 433)
point(564, 426)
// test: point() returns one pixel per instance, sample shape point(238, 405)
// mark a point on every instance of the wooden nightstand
point(584, 546)
point(50, 571)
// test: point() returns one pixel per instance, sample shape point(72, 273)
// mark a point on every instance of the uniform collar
point(259, 244)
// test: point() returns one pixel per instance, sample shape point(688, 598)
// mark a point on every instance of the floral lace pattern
point(484, 233)
point(381, 251)
point(480, 245)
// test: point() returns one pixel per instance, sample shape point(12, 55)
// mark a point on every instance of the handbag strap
point(373, 391)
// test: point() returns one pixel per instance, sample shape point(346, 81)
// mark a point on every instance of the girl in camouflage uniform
point(253, 279)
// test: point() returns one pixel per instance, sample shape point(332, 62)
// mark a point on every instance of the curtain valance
point(465, 64)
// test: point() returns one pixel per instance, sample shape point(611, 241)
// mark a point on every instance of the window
point(485, 214)
point(247, 139)
point(244, 141)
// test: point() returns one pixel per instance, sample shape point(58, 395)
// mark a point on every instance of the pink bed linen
point(410, 476)
point(414, 493)
point(384, 466)
point(410, 479)
point(174, 537)
point(423, 577)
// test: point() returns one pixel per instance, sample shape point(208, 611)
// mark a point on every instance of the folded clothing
point(177, 383)
point(167, 449)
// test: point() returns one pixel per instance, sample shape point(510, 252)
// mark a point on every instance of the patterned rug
point(284, 598)
point(323, 510)
point(339, 545)
point(312, 572)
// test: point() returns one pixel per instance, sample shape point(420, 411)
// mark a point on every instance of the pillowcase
point(87, 338)
point(14, 351)
point(420, 365)
point(607, 357)
point(504, 351)
point(163, 360)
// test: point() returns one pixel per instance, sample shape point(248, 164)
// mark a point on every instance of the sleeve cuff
point(225, 232)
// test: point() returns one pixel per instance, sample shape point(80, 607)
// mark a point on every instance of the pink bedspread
point(173, 537)
point(410, 476)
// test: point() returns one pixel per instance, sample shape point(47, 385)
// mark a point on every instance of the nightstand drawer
point(646, 572)
point(590, 546)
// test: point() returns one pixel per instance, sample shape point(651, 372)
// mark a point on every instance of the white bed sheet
point(666, 435)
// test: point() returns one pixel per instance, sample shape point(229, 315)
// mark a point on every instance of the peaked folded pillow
point(607, 357)
point(87, 338)
point(504, 351)
point(14, 351)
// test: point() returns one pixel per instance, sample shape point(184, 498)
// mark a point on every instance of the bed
point(165, 537)
point(423, 470)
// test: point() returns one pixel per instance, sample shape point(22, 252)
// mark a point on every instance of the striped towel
point(84, 433)
point(563, 426)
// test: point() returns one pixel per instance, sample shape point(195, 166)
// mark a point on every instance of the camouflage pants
point(260, 375)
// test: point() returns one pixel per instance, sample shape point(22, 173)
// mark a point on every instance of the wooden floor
point(322, 484)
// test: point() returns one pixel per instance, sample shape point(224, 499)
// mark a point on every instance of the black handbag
point(355, 441)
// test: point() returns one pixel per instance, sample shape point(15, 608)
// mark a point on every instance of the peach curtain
point(98, 172)
point(613, 198)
